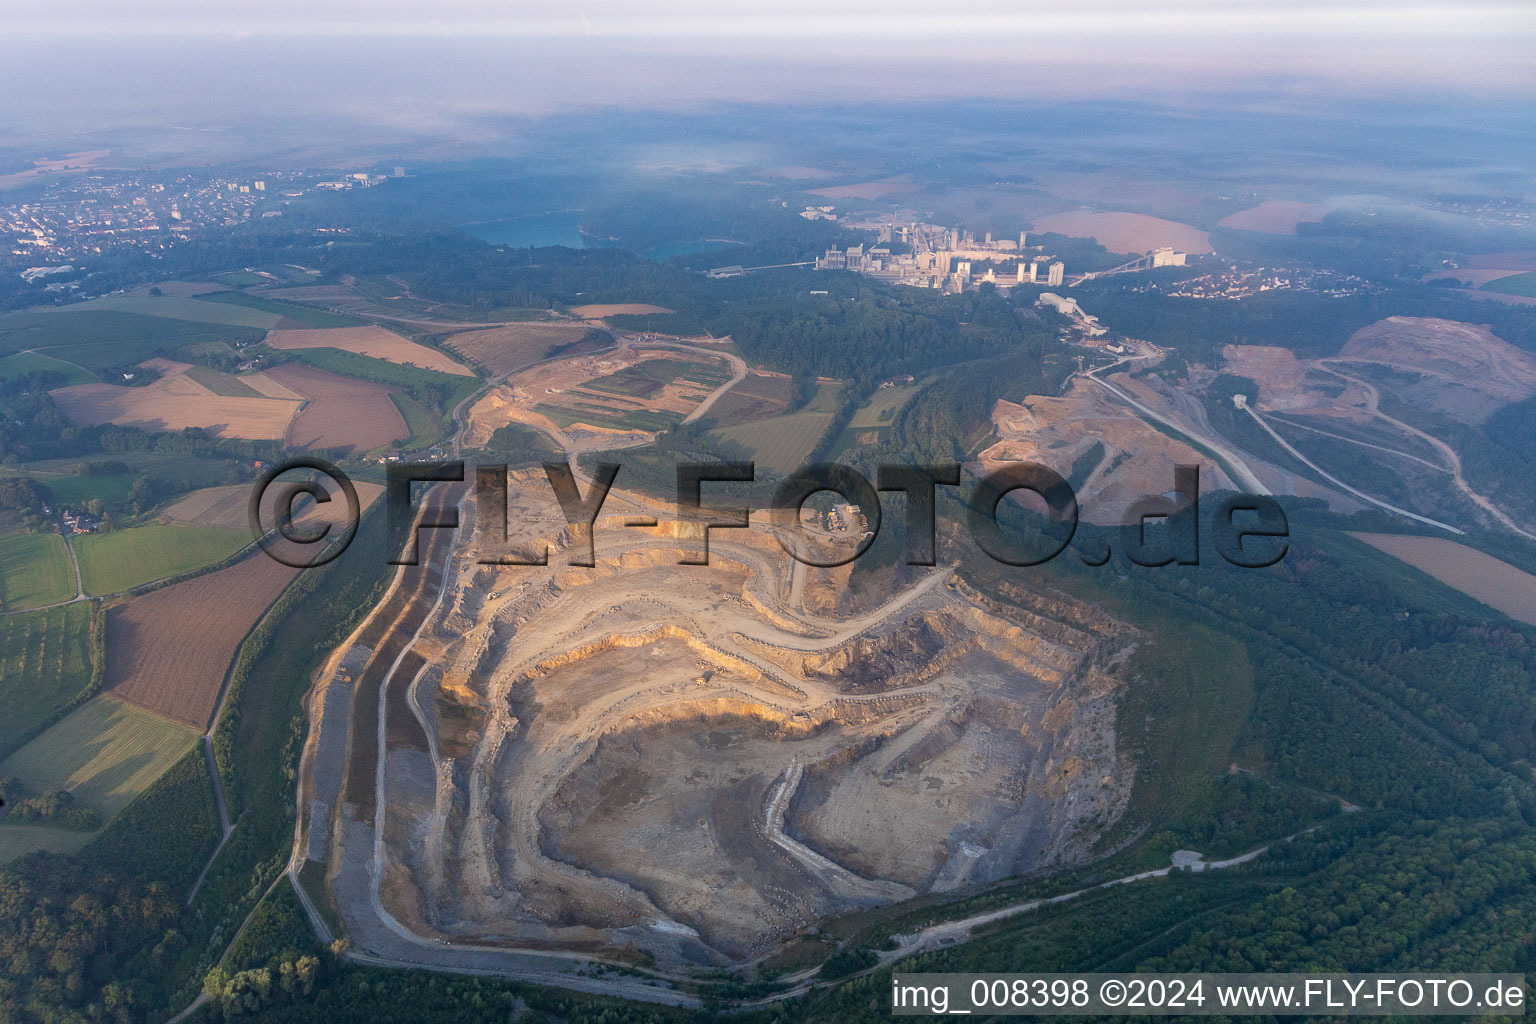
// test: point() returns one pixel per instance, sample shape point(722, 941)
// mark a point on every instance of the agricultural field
point(601, 310)
point(1125, 232)
point(106, 753)
point(760, 395)
point(422, 424)
point(501, 350)
point(20, 840)
point(370, 341)
point(1518, 284)
point(45, 662)
point(682, 325)
point(339, 412)
point(34, 571)
point(168, 650)
point(290, 314)
point(225, 385)
point(23, 363)
point(99, 339)
point(1480, 576)
point(635, 391)
point(175, 401)
point(175, 307)
point(872, 422)
point(227, 505)
point(1273, 217)
point(781, 443)
point(173, 473)
point(111, 563)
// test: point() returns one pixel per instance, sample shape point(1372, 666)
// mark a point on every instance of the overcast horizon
point(458, 75)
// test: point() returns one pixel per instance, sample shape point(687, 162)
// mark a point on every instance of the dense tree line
point(1310, 324)
point(877, 334)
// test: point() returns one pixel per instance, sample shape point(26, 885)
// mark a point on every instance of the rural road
point(739, 374)
point(1231, 460)
point(1320, 471)
point(1452, 459)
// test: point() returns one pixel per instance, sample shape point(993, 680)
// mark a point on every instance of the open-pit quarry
point(529, 769)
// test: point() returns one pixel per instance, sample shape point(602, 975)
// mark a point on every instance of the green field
point(779, 443)
point(225, 384)
point(306, 315)
point(111, 563)
point(106, 753)
point(426, 428)
point(882, 407)
point(173, 475)
point(34, 571)
point(1519, 284)
point(350, 364)
point(100, 338)
point(44, 663)
point(177, 307)
point(23, 363)
point(682, 324)
point(20, 840)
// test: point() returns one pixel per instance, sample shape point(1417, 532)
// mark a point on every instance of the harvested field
point(105, 753)
point(174, 402)
point(1273, 217)
point(168, 650)
point(264, 384)
point(111, 563)
point(341, 412)
point(1126, 232)
point(1480, 576)
point(597, 311)
point(866, 190)
point(370, 341)
point(501, 350)
point(227, 506)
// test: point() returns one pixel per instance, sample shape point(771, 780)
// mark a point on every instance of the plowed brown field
point(168, 651)
point(341, 412)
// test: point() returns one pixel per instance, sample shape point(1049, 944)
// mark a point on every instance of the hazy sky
point(442, 67)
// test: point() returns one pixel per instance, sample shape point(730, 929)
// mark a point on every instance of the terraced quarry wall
point(679, 763)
